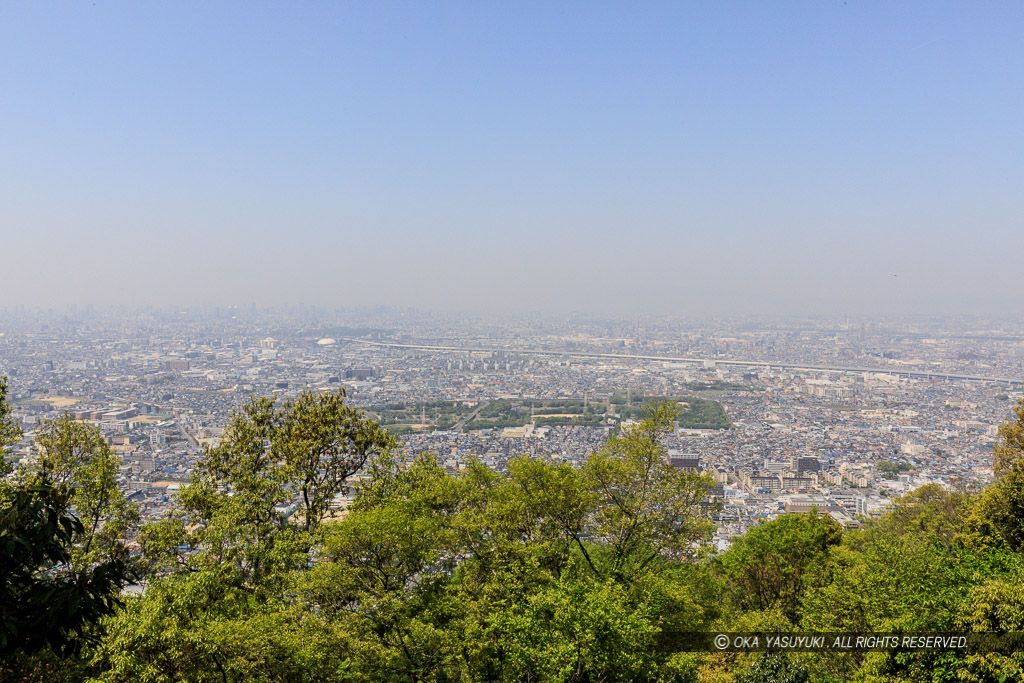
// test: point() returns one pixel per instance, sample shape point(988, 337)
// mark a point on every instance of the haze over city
point(523, 341)
point(641, 157)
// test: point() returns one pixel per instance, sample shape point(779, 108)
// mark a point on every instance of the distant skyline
point(670, 158)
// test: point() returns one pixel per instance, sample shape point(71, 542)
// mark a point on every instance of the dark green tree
point(10, 432)
point(53, 587)
point(42, 603)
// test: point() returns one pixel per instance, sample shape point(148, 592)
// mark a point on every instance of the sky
point(729, 157)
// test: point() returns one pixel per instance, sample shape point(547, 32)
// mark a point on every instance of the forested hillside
point(540, 573)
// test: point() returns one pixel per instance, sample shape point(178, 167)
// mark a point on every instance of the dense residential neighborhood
point(779, 437)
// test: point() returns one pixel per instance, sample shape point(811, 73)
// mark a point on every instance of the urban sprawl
point(785, 415)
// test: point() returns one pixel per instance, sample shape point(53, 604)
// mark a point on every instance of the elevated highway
point(912, 374)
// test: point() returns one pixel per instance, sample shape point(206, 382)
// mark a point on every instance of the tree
point(997, 516)
point(10, 432)
point(527, 575)
point(995, 606)
point(272, 465)
point(578, 630)
point(1011, 449)
point(197, 627)
point(765, 568)
point(229, 598)
point(775, 667)
point(898, 577)
point(52, 588)
point(42, 603)
point(234, 503)
point(325, 441)
point(75, 455)
point(643, 507)
point(928, 511)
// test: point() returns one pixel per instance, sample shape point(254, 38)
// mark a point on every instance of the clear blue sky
point(674, 157)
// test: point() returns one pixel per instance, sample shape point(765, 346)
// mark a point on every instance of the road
point(469, 418)
point(677, 359)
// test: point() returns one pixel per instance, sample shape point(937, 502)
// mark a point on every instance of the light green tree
point(765, 568)
point(544, 573)
point(323, 441)
point(75, 456)
point(644, 508)
point(273, 465)
point(995, 606)
point(997, 516)
point(227, 595)
point(1011, 447)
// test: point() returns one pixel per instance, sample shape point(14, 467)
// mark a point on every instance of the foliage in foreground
point(540, 573)
point(62, 561)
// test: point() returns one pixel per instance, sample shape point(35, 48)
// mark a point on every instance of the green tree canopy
point(75, 456)
point(61, 565)
point(765, 568)
point(1011, 447)
point(10, 432)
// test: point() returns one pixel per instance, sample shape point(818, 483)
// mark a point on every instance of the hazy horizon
point(655, 158)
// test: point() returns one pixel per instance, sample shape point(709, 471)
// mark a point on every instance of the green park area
point(470, 416)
